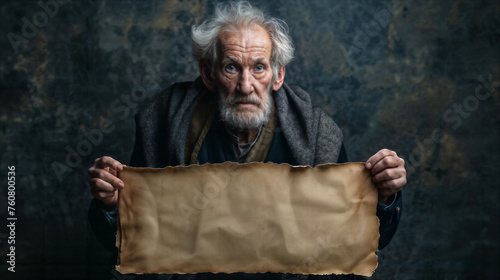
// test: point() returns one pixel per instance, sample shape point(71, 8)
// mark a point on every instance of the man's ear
point(280, 79)
point(205, 72)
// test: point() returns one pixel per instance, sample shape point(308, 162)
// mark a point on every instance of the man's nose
point(245, 83)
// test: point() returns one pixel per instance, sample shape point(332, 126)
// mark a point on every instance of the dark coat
point(312, 136)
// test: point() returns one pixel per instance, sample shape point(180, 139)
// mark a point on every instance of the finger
point(109, 199)
point(97, 185)
point(388, 188)
point(104, 196)
point(104, 192)
point(387, 175)
point(386, 163)
point(106, 161)
point(106, 177)
point(110, 202)
point(378, 156)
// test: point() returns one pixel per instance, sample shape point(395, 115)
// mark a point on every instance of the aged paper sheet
point(257, 217)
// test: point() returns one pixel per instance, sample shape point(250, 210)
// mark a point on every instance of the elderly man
point(239, 109)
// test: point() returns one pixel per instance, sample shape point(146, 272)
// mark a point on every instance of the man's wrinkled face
point(244, 77)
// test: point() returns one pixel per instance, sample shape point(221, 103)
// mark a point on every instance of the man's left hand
point(388, 173)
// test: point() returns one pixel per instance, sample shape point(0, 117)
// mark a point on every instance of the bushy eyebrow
point(260, 59)
point(237, 61)
point(230, 59)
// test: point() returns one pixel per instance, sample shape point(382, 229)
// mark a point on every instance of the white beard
point(242, 119)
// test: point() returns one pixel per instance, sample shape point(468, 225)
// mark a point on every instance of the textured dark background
point(392, 74)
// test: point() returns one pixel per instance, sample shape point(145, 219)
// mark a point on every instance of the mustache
point(243, 99)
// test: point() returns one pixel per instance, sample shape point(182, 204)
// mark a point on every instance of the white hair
point(240, 15)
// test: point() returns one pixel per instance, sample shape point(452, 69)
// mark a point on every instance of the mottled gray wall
point(421, 77)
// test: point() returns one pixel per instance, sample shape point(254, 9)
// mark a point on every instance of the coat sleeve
point(389, 217)
point(103, 224)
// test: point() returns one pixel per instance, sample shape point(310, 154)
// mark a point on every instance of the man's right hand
point(104, 184)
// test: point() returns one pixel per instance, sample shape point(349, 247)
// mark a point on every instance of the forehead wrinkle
point(237, 52)
point(239, 48)
point(244, 45)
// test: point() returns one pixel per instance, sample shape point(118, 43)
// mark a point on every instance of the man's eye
point(230, 68)
point(259, 68)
